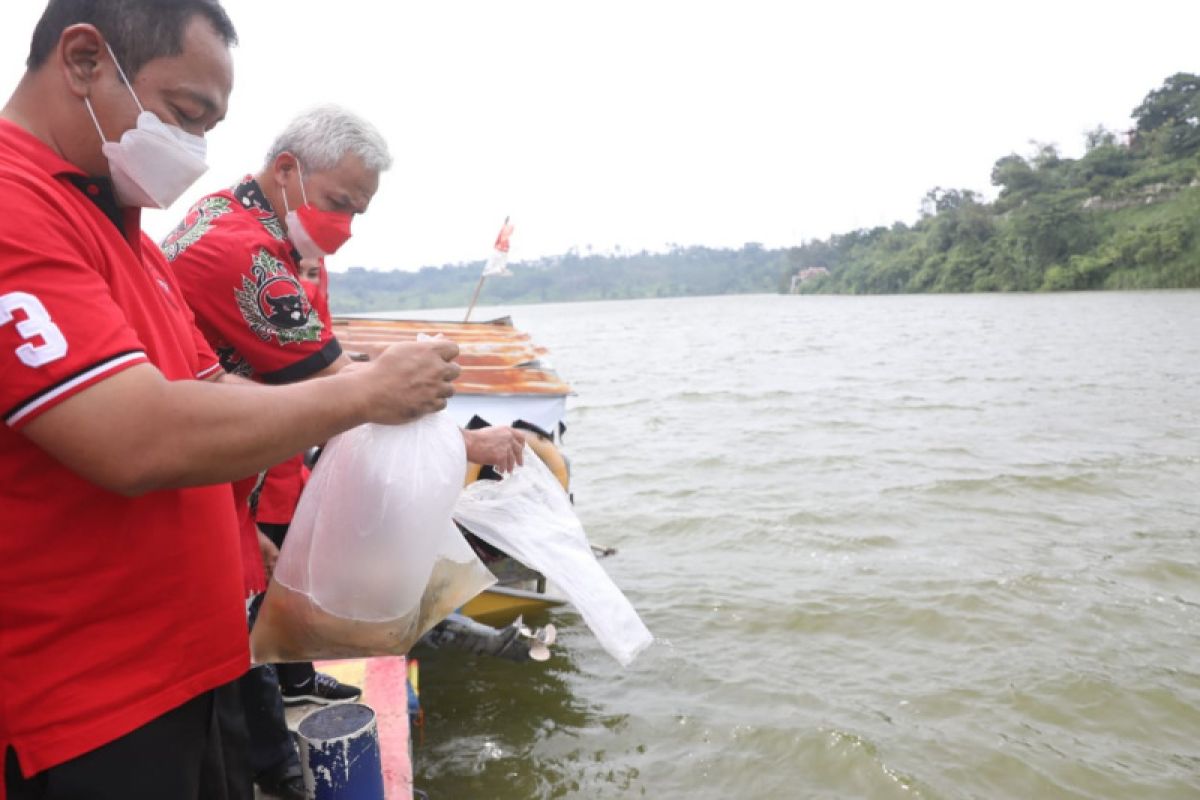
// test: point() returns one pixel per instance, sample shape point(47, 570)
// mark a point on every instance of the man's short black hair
point(137, 30)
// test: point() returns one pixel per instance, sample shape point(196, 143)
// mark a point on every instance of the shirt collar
point(98, 190)
point(251, 197)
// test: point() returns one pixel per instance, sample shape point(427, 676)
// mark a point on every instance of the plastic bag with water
point(372, 559)
point(529, 516)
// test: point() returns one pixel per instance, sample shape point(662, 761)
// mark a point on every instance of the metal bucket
point(339, 749)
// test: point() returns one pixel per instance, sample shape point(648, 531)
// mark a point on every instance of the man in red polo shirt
point(121, 594)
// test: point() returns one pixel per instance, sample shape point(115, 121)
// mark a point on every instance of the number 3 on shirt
point(37, 324)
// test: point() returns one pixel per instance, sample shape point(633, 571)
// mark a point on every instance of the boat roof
point(496, 358)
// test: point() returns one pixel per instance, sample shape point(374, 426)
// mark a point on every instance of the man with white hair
point(237, 251)
point(237, 256)
point(237, 262)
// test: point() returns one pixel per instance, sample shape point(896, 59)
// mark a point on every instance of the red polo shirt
point(113, 610)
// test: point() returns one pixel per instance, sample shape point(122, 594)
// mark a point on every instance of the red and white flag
point(497, 263)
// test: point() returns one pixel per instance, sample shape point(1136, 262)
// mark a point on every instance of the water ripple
point(913, 547)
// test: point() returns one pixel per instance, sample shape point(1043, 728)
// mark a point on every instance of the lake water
point(891, 547)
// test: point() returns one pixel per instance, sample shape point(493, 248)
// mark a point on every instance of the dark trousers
point(271, 750)
point(301, 673)
point(176, 755)
point(235, 741)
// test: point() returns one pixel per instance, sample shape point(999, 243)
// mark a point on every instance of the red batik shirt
point(239, 273)
point(284, 482)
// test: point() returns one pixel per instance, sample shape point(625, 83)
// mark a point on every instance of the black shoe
point(321, 689)
point(284, 781)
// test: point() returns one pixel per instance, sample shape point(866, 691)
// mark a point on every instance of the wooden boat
point(506, 380)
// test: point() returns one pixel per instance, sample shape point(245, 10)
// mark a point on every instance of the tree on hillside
point(1169, 118)
point(1016, 178)
point(938, 200)
point(1050, 228)
point(1105, 161)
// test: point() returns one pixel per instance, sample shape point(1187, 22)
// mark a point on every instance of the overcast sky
point(640, 123)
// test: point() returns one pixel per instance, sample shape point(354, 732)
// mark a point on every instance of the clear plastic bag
point(372, 559)
point(529, 516)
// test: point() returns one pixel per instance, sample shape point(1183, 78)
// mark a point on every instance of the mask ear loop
point(300, 172)
point(303, 196)
point(121, 72)
point(88, 103)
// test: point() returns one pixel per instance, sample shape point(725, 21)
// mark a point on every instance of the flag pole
point(501, 244)
point(475, 297)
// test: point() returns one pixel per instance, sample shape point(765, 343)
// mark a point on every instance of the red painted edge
point(387, 691)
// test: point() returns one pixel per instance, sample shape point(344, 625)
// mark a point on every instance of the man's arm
point(501, 447)
point(137, 432)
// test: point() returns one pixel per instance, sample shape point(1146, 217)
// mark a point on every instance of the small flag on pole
point(496, 266)
point(497, 263)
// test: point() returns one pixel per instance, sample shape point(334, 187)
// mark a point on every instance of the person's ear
point(284, 166)
point(78, 56)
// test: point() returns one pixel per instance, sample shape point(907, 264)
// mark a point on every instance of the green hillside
point(681, 272)
point(1125, 215)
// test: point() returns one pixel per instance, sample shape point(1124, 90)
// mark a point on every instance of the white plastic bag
point(372, 559)
point(528, 516)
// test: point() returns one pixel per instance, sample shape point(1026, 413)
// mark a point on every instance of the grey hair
point(321, 137)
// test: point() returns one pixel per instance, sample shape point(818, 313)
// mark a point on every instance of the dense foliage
point(1124, 215)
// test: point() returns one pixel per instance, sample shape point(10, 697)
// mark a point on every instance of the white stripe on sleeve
point(58, 391)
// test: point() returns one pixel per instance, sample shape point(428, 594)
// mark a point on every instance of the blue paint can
point(339, 748)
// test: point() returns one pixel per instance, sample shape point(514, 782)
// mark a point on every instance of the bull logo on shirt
point(284, 303)
point(273, 303)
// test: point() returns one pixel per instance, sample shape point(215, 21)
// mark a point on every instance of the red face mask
point(314, 232)
point(328, 230)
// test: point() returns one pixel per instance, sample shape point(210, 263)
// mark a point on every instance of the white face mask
point(154, 163)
